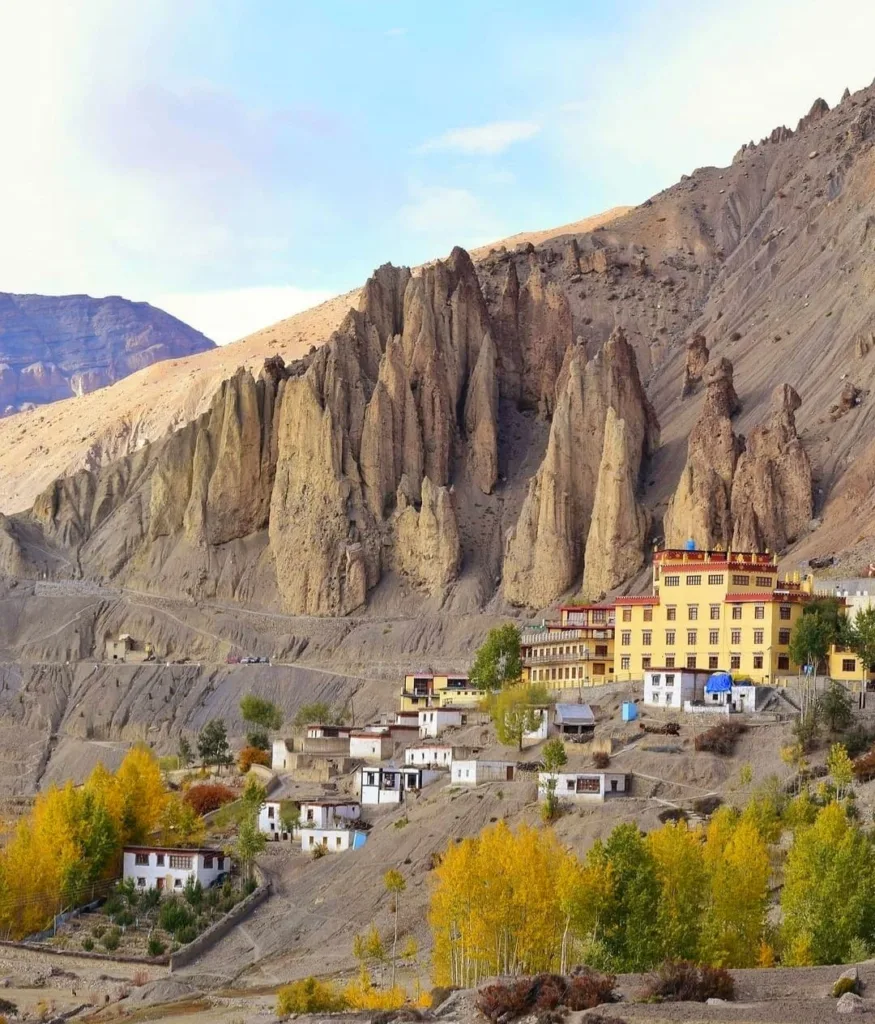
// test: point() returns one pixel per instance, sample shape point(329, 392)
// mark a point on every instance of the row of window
point(693, 637)
point(693, 661)
point(671, 612)
point(569, 672)
point(601, 650)
point(174, 860)
point(716, 580)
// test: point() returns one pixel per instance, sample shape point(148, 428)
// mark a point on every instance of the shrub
point(124, 918)
point(544, 993)
point(88, 944)
point(249, 886)
point(250, 756)
point(139, 979)
point(185, 934)
point(174, 914)
point(150, 899)
point(319, 851)
point(98, 930)
point(679, 981)
point(155, 946)
point(209, 796)
point(864, 767)
point(309, 996)
point(844, 985)
point(193, 892)
point(114, 904)
point(362, 995)
point(601, 759)
point(111, 940)
point(721, 738)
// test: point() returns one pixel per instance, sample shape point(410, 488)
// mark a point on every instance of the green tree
point(317, 712)
point(260, 712)
point(254, 794)
point(212, 743)
point(810, 640)
point(836, 707)
point(514, 712)
point(861, 638)
point(554, 755)
point(630, 929)
point(841, 768)
point(290, 816)
point(394, 882)
point(184, 752)
point(498, 662)
point(250, 842)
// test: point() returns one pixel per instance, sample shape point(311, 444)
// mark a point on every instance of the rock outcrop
point(694, 366)
point(427, 548)
point(772, 489)
point(52, 347)
point(700, 509)
point(546, 550)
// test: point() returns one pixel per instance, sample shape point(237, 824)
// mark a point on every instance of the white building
point(672, 687)
point(433, 721)
point(327, 813)
point(158, 867)
point(583, 786)
point(574, 720)
point(429, 754)
point(328, 732)
point(270, 819)
point(334, 840)
point(542, 730)
point(387, 785)
point(279, 759)
point(371, 746)
point(475, 773)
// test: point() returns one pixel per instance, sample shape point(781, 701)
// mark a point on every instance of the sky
point(235, 161)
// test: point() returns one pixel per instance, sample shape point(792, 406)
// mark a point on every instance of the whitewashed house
point(168, 868)
point(280, 756)
point(330, 824)
point(475, 773)
point(583, 786)
point(574, 720)
point(371, 746)
point(328, 732)
point(333, 840)
point(672, 687)
point(542, 729)
point(430, 755)
point(433, 721)
point(387, 784)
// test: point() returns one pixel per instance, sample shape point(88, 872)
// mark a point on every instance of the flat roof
point(330, 803)
point(174, 849)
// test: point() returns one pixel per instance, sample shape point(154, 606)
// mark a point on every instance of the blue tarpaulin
point(720, 682)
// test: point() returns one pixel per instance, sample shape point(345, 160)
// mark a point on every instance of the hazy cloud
point(485, 139)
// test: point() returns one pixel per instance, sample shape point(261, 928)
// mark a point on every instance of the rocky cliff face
point(55, 346)
point(603, 430)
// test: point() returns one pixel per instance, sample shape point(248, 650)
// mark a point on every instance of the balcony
point(564, 659)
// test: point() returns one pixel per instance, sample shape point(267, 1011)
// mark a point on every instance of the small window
point(656, 678)
point(671, 613)
point(208, 858)
point(716, 579)
point(626, 637)
point(646, 638)
point(271, 811)
point(627, 615)
point(180, 862)
point(337, 842)
point(625, 662)
point(692, 612)
point(177, 883)
point(785, 611)
point(645, 662)
point(713, 661)
point(648, 613)
point(715, 611)
point(160, 858)
point(713, 637)
point(735, 636)
point(757, 661)
point(741, 581)
point(694, 581)
point(142, 860)
point(757, 636)
point(783, 663)
point(734, 661)
point(759, 611)
point(691, 661)
point(669, 638)
point(764, 581)
point(784, 636)
point(669, 679)
point(141, 883)
point(671, 581)
point(736, 611)
point(601, 650)
point(691, 637)
point(849, 664)
point(669, 661)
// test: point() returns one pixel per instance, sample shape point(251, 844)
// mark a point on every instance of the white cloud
point(448, 216)
point(483, 140)
point(228, 315)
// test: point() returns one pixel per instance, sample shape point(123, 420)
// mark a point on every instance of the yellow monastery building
point(709, 610)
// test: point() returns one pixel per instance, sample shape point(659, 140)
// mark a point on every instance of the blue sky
point(236, 161)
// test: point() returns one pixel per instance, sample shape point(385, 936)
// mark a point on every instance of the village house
point(436, 690)
point(673, 687)
point(169, 868)
point(577, 651)
point(388, 784)
point(475, 773)
point(723, 695)
point(371, 745)
point(712, 610)
point(431, 755)
point(330, 824)
point(328, 732)
point(127, 649)
point(583, 786)
point(574, 721)
point(433, 721)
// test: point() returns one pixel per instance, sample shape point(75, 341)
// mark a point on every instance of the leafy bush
point(150, 899)
point(250, 756)
point(844, 985)
point(155, 946)
point(309, 996)
point(209, 796)
point(362, 995)
point(174, 914)
point(679, 981)
point(111, 940)
point(98, 930)
point(88, 944)
point(858, 741)
point(864, 767)
point(193, 892)
point(319, 851)
point(721, 738)
point(249, 886)
point(185, 934)
point(543, 993)
point(601, 759)
point(113, 905)
point(124, 918)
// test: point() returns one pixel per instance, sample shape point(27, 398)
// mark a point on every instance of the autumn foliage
point(250, 756)
point(506, 1000)
point(721, 738)
point(209, 796)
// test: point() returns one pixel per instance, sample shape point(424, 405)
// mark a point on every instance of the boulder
point(849, 1003)
point(694, 364)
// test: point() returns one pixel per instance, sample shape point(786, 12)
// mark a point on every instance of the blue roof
point(720, 682)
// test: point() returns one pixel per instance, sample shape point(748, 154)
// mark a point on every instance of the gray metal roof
point(574, 714)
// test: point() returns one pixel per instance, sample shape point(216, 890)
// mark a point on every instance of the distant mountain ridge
point(55, 346)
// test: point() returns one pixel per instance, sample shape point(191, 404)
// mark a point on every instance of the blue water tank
point(629, 711)
point(690, 545)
